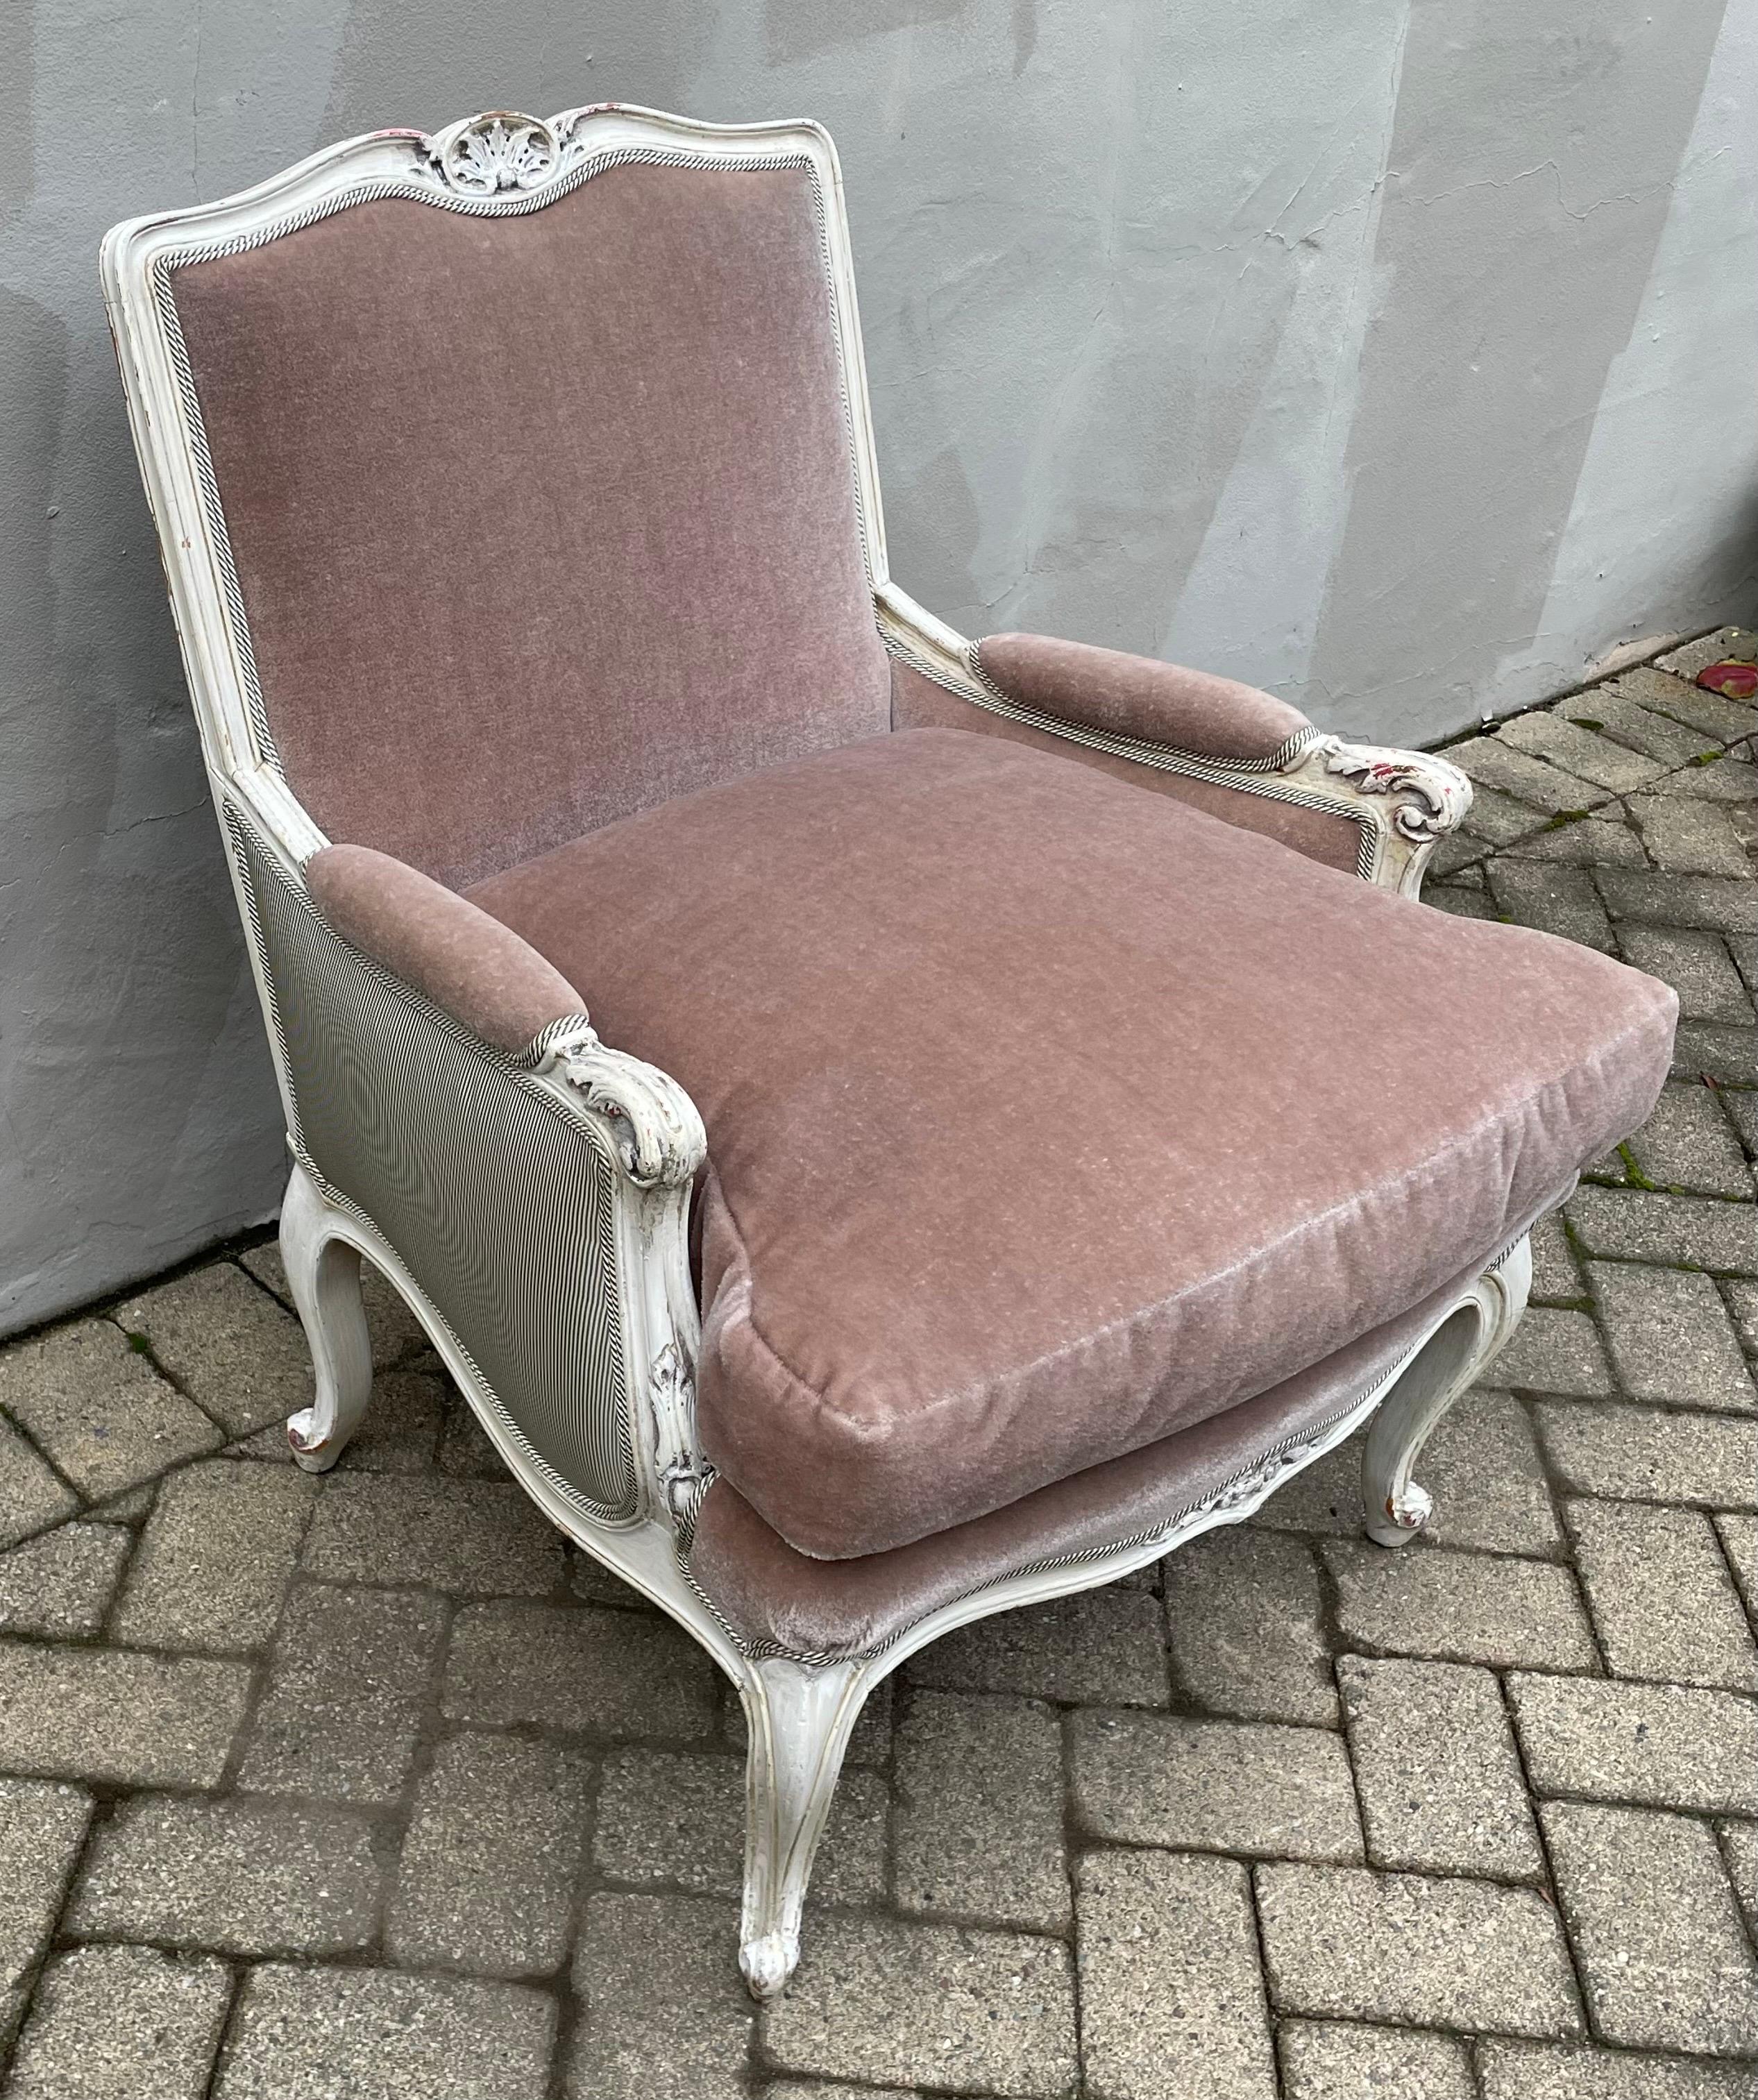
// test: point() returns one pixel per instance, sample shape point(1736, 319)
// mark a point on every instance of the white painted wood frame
point(799, 1713)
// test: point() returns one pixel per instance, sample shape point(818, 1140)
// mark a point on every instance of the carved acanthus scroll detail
point(1251, 1487)
point(1431, 795)
point(684, 1474)
point(651, 1120)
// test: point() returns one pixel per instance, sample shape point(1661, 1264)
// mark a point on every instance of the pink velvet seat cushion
point(773, 1596)
point(1047, 1118)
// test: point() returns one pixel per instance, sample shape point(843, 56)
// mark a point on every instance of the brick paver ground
point(370, 1786)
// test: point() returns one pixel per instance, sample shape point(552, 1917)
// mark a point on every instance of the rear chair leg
point(323, 1275)
point(1394, 1506)
point(799, 1718)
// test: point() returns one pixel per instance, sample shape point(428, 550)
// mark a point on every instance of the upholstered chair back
point(537, 518)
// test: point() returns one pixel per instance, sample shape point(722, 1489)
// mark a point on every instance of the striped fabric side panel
point(501, 1208)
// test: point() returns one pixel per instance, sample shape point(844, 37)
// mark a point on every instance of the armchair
point(867, 1162)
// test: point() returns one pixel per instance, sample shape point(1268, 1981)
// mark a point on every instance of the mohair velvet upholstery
point(538, 520)
point(1138, 696)
point(1332, 839)
point(772, 1594)
point(1047, 1118)
point(470, 965)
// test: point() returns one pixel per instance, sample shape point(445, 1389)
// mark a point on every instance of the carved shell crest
point(501, 150)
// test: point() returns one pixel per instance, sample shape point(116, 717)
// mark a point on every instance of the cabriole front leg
point(799, 1717)
point(323, 1275)
point(1394, 1506)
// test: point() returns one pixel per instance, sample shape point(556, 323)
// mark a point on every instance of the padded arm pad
point(439, 944)
point(1330, 837)
point(1104, 689)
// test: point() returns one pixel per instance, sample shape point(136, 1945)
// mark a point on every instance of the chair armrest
point(1138, 697)
point(533, 1193)
point(438, 943)
point(494, 983)
point(1227, 748)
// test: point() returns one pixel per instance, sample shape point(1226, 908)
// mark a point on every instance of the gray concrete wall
point(1394, 354)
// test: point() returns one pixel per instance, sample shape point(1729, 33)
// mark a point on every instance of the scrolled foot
point(312, 1452)
point(324, 1276)
point(768, 1962)
point(1407, 1511)
point(1394, 1508)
